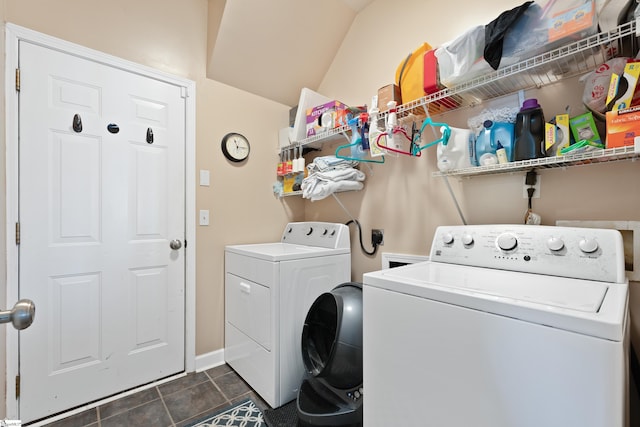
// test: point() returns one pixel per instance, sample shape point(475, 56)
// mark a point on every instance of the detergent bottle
point(529, 131)
point(374, 133)
point(487, 141)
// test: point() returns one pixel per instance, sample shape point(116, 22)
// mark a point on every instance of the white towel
point(320, 185)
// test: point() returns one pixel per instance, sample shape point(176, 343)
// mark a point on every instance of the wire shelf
point(567, 61)
point(591, 157)
point(550, 67)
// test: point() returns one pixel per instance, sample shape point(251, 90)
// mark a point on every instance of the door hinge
point(17, 233)
point(17, 386)
point(17, 79)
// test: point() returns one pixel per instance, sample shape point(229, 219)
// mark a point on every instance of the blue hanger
point(358, 141)
point(446, 134)
point(356, 159)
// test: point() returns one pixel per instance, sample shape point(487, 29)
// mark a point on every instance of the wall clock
point(235, 147)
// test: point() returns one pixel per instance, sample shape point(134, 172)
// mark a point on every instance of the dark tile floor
point(171, 404)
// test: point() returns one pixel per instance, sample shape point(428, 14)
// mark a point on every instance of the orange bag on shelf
point(410, 74)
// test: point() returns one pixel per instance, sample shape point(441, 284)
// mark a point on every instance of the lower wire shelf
point(591, 157)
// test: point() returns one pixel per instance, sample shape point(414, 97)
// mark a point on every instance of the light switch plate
point(204, 217)
point(204, 178)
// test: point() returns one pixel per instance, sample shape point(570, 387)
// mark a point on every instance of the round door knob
point(507, 241)
point(175, 244)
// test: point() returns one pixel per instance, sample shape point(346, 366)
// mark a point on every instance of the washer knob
point(324, 233)
point(555, 244)
point(507, 241)
point(467, 239)
point(588, 246)
point(447, 238)
point(309, 231)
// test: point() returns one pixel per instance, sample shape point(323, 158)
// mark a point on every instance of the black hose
point(375, 246)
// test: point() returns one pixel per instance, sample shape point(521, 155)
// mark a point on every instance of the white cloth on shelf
point(337, 177)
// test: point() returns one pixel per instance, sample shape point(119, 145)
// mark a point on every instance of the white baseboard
point(209, 360)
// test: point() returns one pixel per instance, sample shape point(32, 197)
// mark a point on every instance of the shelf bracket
point(343, 207)
point(455, 200)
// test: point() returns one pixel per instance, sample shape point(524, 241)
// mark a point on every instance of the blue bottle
point(488, 138)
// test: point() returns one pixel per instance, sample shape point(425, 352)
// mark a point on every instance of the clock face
point(235, 147)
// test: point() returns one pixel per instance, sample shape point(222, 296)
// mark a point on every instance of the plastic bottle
point(374, 133)
point(356, 145)
point(529, 131)
point(487, 140)
point(501, 153)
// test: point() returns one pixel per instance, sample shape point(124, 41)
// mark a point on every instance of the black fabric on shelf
point(495, 31)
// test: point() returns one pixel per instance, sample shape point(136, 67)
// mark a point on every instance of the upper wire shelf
point(567, 61)
point(592, 157)
point(570, 60)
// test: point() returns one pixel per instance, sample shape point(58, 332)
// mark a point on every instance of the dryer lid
point(283, 251)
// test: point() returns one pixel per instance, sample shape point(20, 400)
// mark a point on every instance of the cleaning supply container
point(529, 131)
point(487, 140)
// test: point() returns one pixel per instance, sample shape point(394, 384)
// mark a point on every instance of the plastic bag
point(462, 58)
point(456, 153)
point(596, 84)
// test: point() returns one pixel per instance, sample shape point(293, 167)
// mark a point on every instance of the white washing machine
point(269, 288)
point(504, 326)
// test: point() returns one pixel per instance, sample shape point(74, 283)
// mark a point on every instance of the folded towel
point(319, 185)
point(324, 163)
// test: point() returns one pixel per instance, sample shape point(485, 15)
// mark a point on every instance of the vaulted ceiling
point(275, 48)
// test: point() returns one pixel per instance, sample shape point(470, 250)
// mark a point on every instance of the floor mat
point(284, 416)
point(245, 414)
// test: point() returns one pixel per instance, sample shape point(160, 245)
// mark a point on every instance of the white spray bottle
point(392, 123)
point(374, 134)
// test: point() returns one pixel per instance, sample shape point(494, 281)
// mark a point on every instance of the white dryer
point(269, 287)
point(504, 326)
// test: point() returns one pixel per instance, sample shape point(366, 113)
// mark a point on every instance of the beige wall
point(171, 35)
point(401, 196)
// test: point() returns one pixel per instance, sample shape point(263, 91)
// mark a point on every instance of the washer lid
point(589, 307)
point(283, 251)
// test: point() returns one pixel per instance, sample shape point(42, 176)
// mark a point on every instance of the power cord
point(375, 244)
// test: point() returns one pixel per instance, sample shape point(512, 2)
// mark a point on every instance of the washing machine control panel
point(582, 253)
point(321, 234)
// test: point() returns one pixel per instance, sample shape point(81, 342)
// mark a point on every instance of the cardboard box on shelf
point(583, 127)
point(387, 94)
point(571, 20)
point(323, 117)
point(623, 127)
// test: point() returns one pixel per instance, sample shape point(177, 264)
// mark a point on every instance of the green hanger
point(444, 139)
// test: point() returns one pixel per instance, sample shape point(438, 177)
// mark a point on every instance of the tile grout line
point(173, 423)
point(218, 388)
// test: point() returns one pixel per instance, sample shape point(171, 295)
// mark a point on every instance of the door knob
point(175, 244)
point(21, 315)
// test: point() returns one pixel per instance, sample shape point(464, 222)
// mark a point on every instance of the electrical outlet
point(536, 194)
point(377, 237)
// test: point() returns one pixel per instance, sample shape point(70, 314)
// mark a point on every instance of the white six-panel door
point(97, 213)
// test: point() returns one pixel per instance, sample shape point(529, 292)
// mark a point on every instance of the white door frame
point(14, 34)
